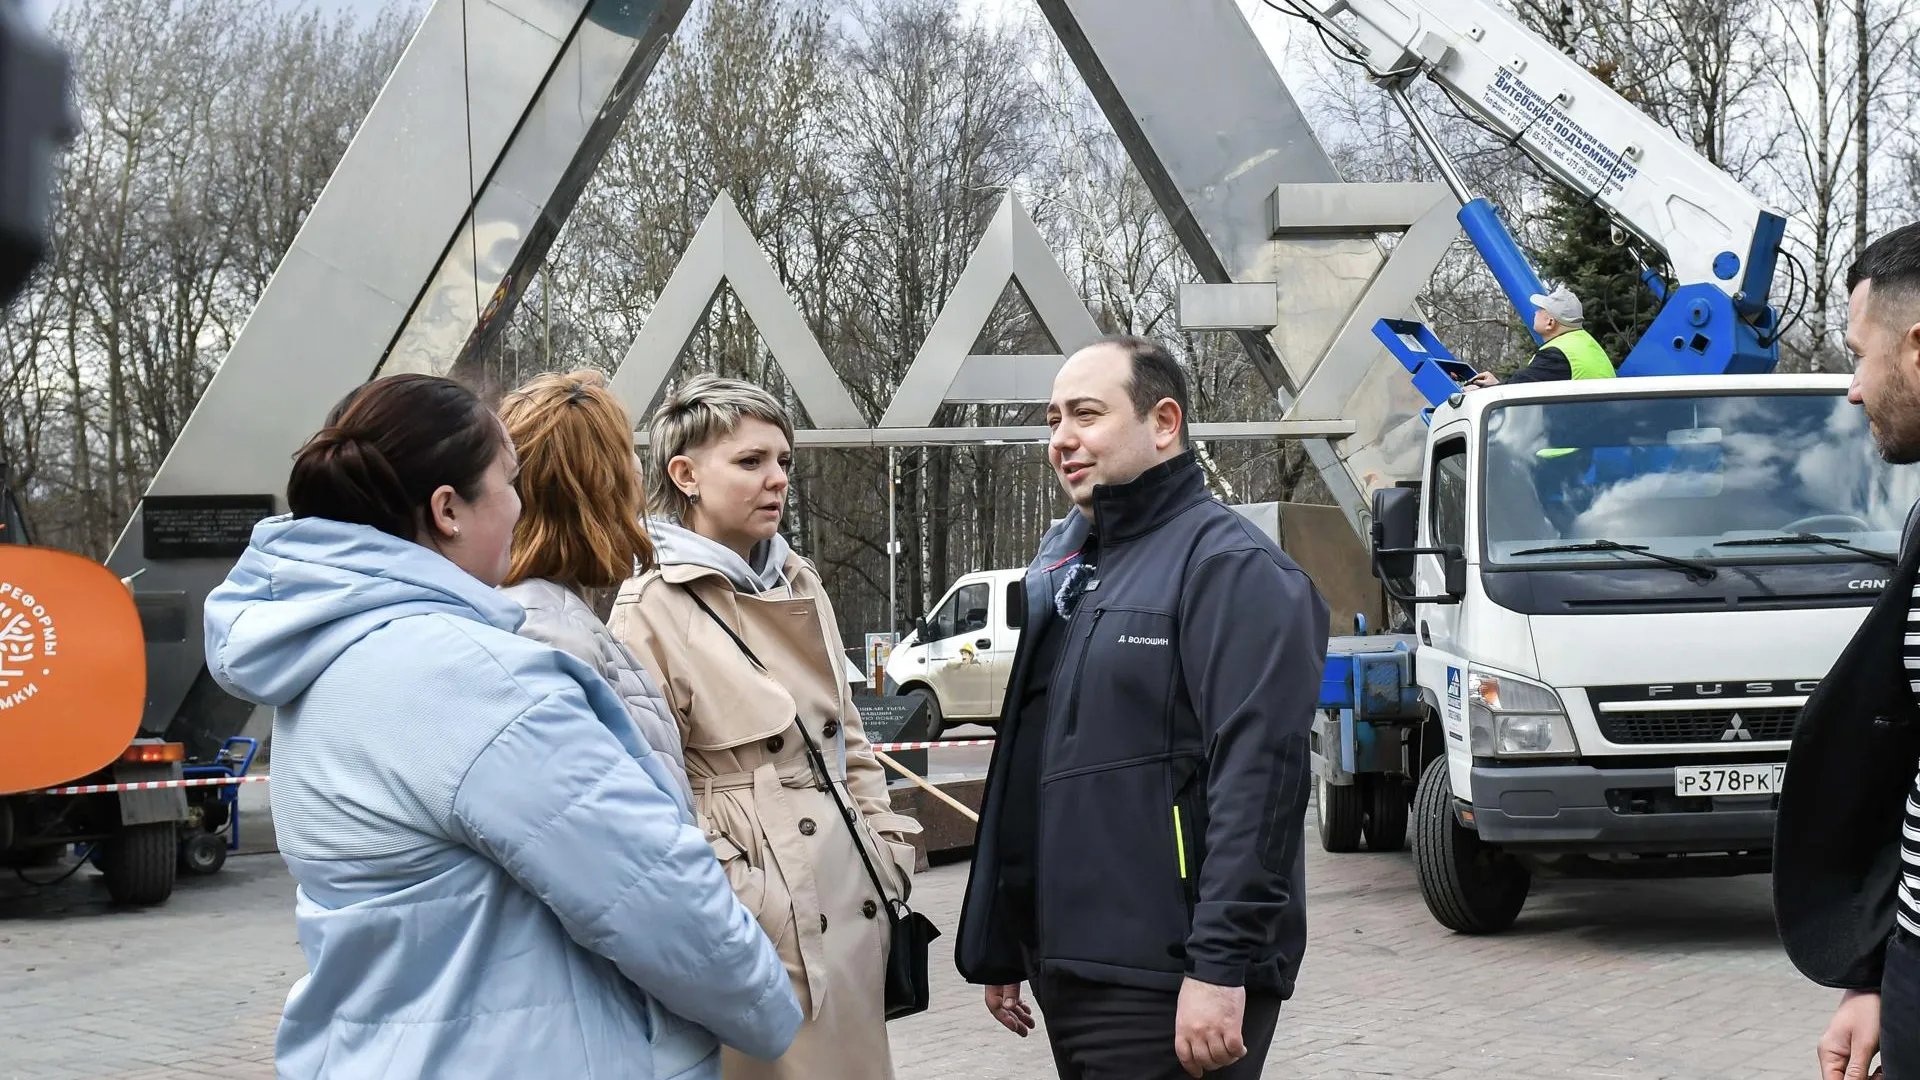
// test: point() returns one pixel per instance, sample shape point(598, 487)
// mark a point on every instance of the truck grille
point(1696, 725)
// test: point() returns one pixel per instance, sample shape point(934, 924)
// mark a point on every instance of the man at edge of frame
point(1846, 849)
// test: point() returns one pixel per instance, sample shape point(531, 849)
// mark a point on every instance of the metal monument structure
point(499, 111)
point(944, 370)
point(1257, 203)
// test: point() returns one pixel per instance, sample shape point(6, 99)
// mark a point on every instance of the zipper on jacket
point(1079, 669)
point(1040, 803)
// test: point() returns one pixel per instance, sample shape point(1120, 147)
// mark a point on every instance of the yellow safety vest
point(1585, 355)
point(1587, 358)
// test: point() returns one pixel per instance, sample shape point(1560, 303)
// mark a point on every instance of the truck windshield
point(1682, 476)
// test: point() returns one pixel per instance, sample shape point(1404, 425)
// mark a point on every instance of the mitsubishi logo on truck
point(1736, 729)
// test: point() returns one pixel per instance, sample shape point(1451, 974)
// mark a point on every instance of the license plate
point(1728, 779)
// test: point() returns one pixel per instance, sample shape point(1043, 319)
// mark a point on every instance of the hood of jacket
point(676, 545)
point(306, 589)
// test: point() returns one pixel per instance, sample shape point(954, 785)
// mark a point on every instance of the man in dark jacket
point(1139, 854)
point(1846, 882)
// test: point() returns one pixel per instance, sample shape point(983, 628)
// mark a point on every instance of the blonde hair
point(706, 408)
point(579, 489)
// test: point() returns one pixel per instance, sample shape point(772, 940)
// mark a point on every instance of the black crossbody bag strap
point(819, 761)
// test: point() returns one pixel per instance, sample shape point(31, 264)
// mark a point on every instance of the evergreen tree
point(1581, 255)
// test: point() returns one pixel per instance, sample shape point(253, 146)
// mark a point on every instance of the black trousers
point(1105, 1032)
point(1900, 1009)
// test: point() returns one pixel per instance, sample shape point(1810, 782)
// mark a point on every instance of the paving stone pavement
point(1635, 980)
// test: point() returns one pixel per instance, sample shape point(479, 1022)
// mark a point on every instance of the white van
point(959, 657)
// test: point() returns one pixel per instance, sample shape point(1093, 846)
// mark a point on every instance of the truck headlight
point(1511, 717)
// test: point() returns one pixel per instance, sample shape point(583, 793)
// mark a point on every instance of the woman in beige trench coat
point(721, 451)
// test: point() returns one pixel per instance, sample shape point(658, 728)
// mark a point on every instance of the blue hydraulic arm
point(1503, 256)
point(1482, 223)
point(1699, 330)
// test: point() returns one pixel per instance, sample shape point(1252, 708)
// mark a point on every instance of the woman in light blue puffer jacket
point(497, 877)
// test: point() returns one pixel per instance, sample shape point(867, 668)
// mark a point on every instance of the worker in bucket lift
point(1566, 350)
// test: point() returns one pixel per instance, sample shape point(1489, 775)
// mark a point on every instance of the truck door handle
point(1425, 637)
point(984, 643)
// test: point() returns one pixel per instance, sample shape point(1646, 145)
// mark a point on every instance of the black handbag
point(910, 932)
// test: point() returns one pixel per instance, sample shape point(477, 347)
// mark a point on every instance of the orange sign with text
point(73, 667)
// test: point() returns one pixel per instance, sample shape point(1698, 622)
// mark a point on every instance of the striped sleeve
point(1908, 910)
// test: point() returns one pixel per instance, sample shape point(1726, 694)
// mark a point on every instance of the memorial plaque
point(201, 526)
point(893, 718)
point(896, 718)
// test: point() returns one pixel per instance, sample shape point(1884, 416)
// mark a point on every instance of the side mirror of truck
point(1455, 574)
point(1396, 521)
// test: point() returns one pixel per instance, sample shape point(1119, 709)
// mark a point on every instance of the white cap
point(1562, 305)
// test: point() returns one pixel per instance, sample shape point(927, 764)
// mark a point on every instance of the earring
point(693, 497)
point(456, 530)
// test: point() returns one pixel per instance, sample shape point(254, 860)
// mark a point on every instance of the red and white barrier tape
point(221, 781)
point(154, 785)
point(891, 747)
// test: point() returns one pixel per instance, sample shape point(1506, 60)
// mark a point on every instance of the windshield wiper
point(1808, 538)
point(1696, 571)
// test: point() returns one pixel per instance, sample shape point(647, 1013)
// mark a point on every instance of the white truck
point(1615, 594)
point(1621, 592)
point(957, 658)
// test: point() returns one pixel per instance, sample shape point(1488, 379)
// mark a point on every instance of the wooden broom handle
point(927, 787)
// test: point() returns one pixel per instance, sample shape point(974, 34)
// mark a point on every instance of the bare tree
point(1824, 174)
point(867, 143)
point(1862, 116)
point(933, 134)
point(166, 227)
